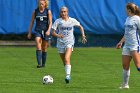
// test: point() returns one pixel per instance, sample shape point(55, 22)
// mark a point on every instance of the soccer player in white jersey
point(131, 49)
point(65, 38)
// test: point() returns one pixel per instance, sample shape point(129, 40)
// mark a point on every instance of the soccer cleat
point(67, 79)
point(124, 86)
point(38, 66)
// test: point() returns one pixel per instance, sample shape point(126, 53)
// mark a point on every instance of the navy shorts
point(42, 35)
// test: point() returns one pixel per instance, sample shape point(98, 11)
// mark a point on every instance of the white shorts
point(128, 50)
point(63, 50)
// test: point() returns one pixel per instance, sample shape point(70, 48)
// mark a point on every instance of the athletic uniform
point(65, 28)
point(40, 30)
point(132, 40)
point(41, 23)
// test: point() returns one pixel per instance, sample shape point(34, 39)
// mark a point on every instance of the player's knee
point(138, 69)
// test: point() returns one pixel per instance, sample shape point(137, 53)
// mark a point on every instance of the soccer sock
point(38, 56)
point(68, 70)
point(138, 69)
point(44, 56)
point(126, 75)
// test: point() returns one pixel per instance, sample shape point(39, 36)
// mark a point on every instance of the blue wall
point(15, 15)
point(96, 16)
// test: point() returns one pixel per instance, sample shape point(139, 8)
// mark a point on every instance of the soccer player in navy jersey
point(131, 49)
point(43, 17)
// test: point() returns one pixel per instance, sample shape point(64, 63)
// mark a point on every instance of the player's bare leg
point(67, 64)
point(126, 71)
point(136, 58)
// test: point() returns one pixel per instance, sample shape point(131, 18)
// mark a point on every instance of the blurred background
point(103, 20)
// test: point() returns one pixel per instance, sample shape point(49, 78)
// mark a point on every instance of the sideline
point(17, 43)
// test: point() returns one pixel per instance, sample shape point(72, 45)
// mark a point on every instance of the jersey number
point(41, 18)
point(65, 33)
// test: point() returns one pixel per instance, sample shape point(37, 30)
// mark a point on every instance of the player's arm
point(56, 35)
point(54, 28)
point(50, 22)
point(83, 34)
point(31, 26)
point(76, 23)
point(119, 45)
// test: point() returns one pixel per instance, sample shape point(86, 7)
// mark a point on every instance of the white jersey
point(132, 28)
point(65, 28)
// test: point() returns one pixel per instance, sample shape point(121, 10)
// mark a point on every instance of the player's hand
point(47, 33)
point(84, 40)
point(119, 45)
point(29, 36)
point(60, 35)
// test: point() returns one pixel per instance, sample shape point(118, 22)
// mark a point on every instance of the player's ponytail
point(137, 10)
point(47, 3)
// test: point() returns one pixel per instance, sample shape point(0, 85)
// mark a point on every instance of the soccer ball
point(47, 79)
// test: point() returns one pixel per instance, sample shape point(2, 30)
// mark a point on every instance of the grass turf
point(94, 70)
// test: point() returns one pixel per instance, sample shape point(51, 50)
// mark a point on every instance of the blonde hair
point(46, 1)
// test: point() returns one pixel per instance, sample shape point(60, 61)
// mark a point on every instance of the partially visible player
point(65, 38)
point(131, 49)
point(43, 18)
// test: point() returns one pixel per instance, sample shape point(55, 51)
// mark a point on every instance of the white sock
point(68, 70)
point(126, 75)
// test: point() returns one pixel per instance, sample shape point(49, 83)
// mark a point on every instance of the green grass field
point(94, 70)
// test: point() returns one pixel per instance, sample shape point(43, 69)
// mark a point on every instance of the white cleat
point(124, 86)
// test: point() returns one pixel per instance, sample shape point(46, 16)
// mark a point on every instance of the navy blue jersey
point(41, 20)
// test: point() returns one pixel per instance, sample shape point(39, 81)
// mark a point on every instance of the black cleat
point(67, 80)
point(38, 66)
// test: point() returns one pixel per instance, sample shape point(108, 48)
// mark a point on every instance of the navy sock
point(138, 69)
point(44, 56)
point(38, 56)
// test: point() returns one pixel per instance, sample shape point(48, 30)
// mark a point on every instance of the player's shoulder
point(48, 10)
point(136, 17)
point(58, 20)
point(70, 18)
point(73, 20)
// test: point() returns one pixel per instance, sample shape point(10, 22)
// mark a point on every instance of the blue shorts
point(42, 35)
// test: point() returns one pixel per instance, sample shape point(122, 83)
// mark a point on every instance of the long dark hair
point(133, 8)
